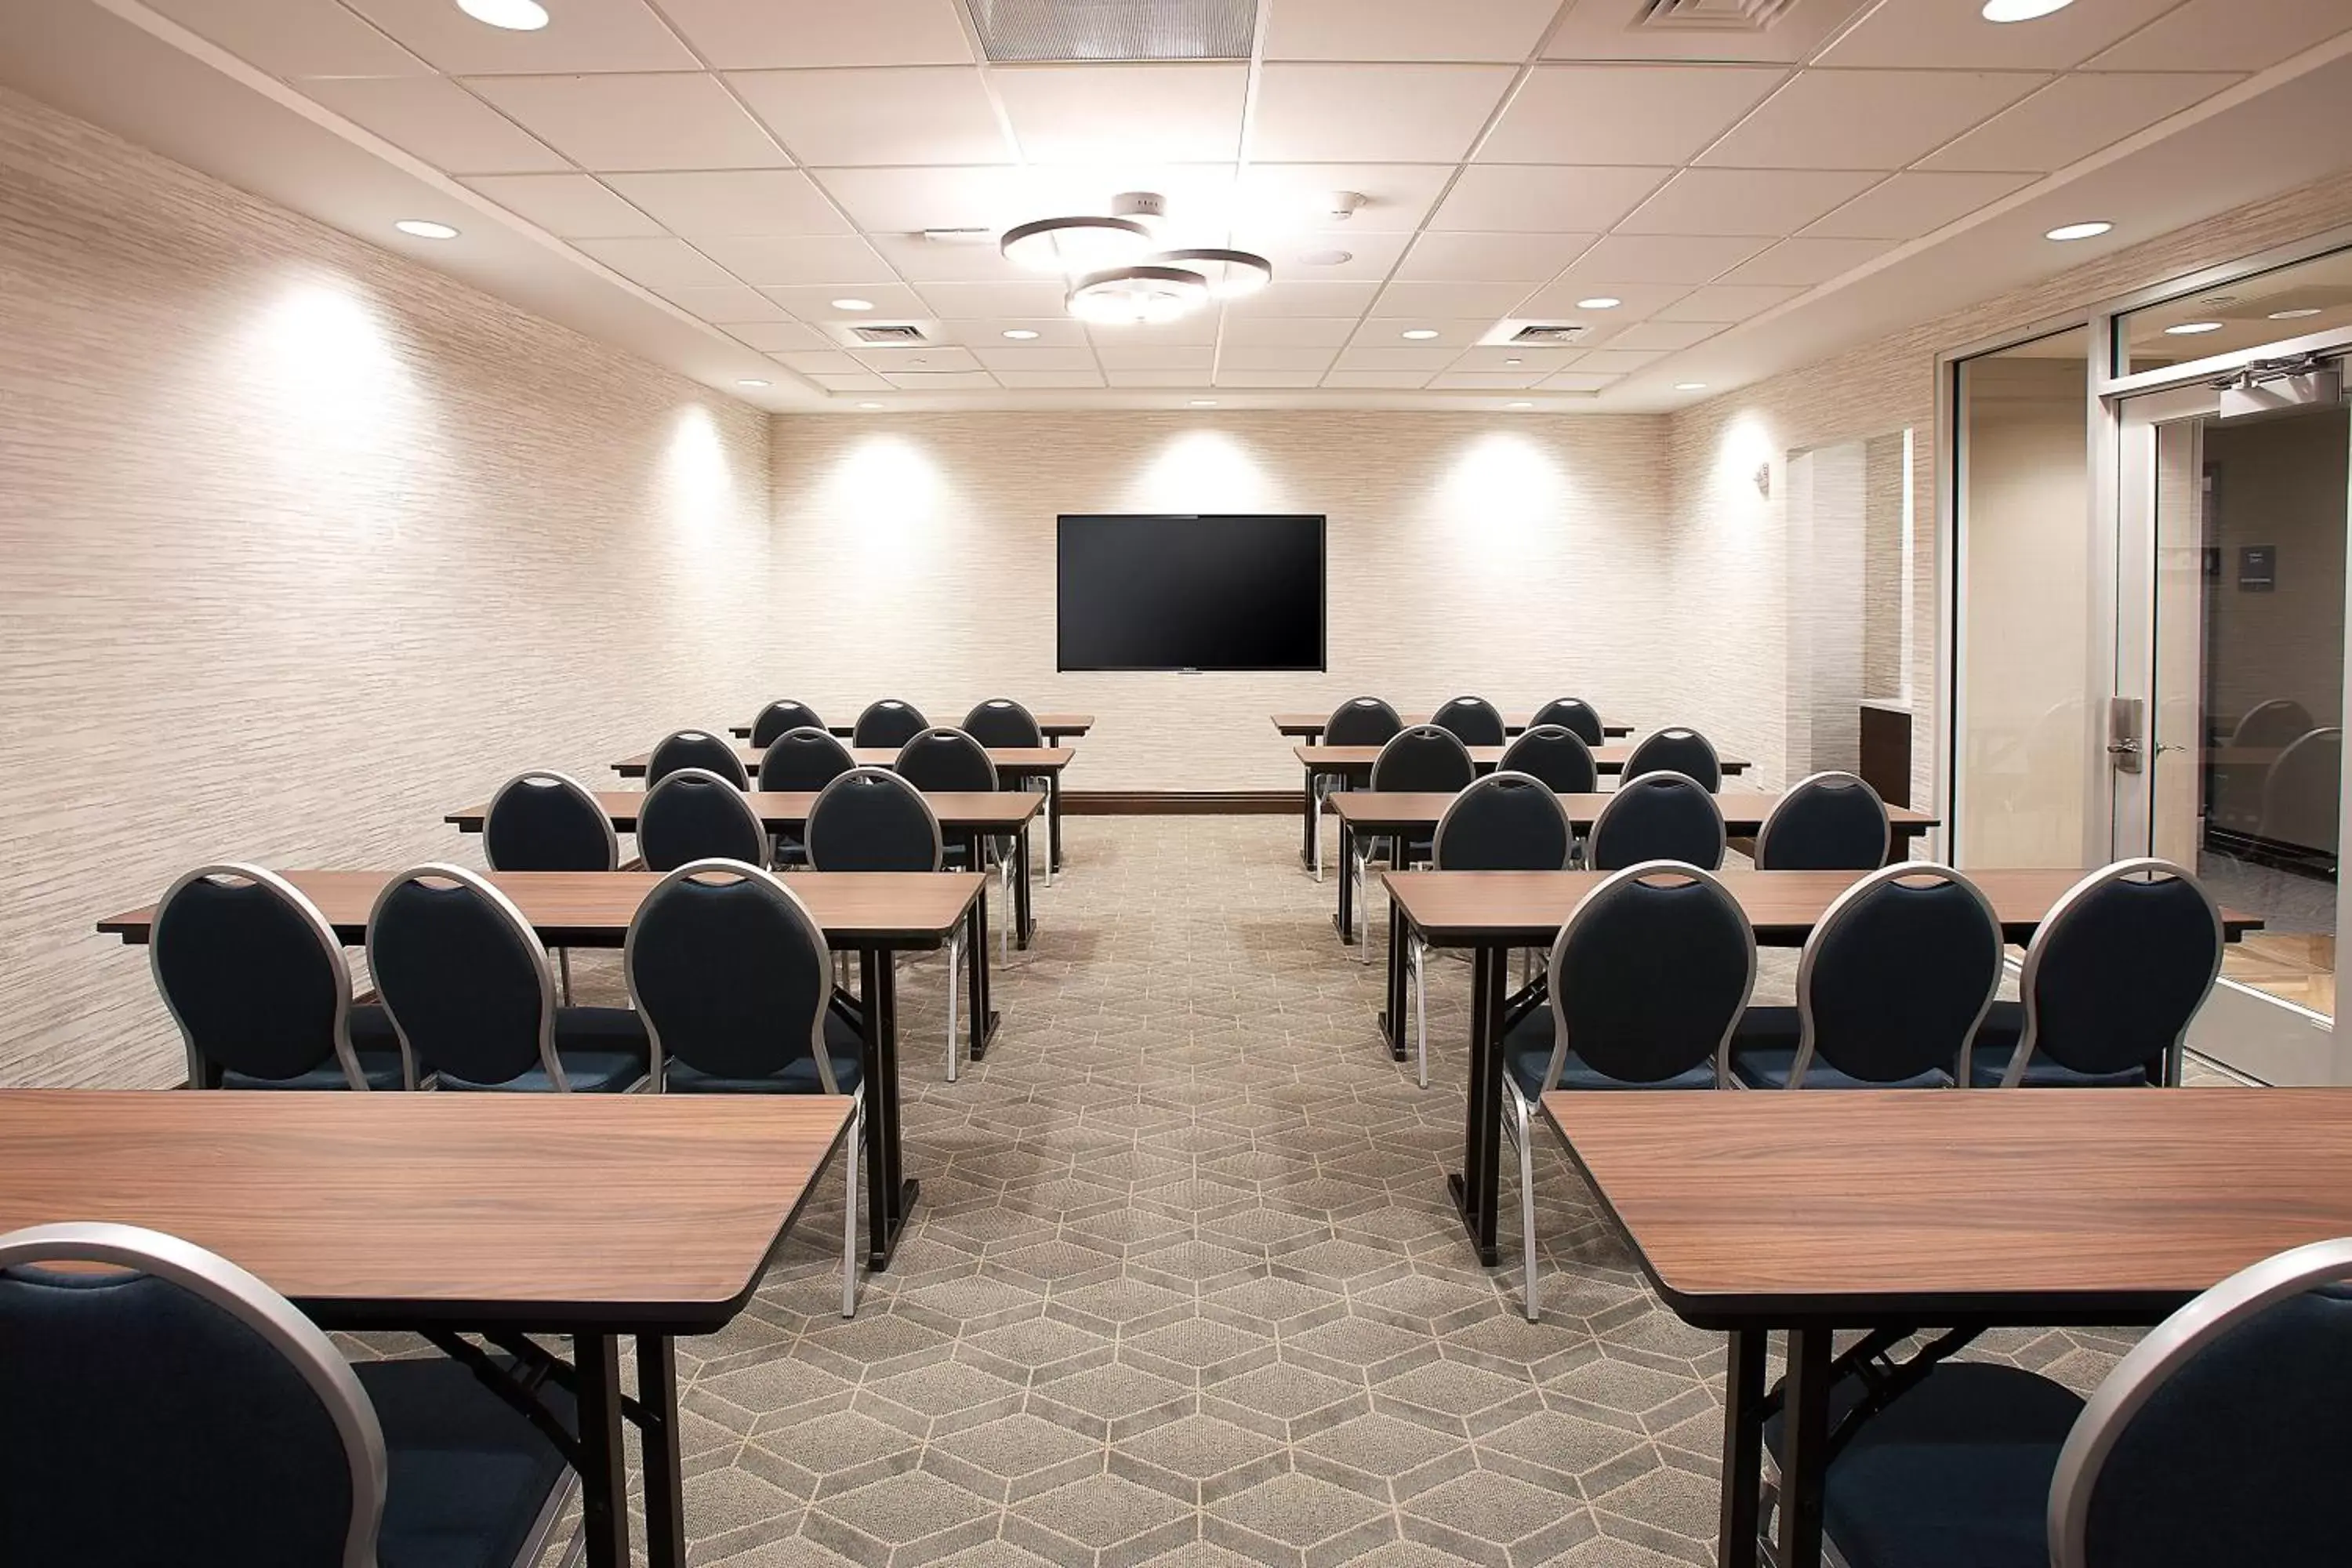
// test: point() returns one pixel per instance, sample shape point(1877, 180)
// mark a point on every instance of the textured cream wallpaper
point(304, 546)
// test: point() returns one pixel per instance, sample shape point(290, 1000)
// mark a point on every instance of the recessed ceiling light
point(751, 381)
point(516, 15)
point(1418, 333)
point(1518, 406)
point(869, 405)
point(852, 304)
point(1019, 334)
point(1204, 403)
point(1327, 258)
point(1600, 302)
point(2091, 230)
point(2294, 315)
point(424, 228)
point(2021, 10)
point(1690, 387)
point(2191, 329)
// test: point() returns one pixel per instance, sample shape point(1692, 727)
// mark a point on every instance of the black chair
point(801, 762)
point(888, 722)
point(250, 1441)
point(1893, 983)
point(1359, 721)
point(781, 718)
point(2114, 973)
point(1504, 822)
point(2236, 801)
point(1830, 821)
point(2278, 722)
point(2302, 796)
point(1677, 751)
point(1657, 816)
point(695, 815)
point(549, 821)
point(259, 985)
point(696, 749)
point(1573, 713)
point(734, 981)
point(1001, 722)
point(1425, 760)
point(1473, 721)
point(872, 819)
point(468, 985)
point(1555, 754)
point(1647, 980)
point(945, 760)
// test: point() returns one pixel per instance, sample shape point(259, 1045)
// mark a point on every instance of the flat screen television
point(1166, 591)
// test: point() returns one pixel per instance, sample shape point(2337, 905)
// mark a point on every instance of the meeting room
point(1174, 783)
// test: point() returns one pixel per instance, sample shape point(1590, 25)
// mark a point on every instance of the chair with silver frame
point(696, 749)
point(549, 821)
point(781, 718)
point(695, 815)
point(1473, 721)
point(1829, 822)
point(1359, 721)
point(1424, 759)
point(801, 762)
point(1677, 750)
point(888, 722)
point(1000, 722)
point(1573, 713)
point(1657, 816)
point(945, 760)
point(1559, 757)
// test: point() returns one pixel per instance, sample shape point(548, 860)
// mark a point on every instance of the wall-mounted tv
point(1166, 591)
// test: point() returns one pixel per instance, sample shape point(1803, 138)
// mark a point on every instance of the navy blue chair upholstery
point(473, 1484)
point(943, 760)
point(1647, 980)
point(734, 979)
point(1361, 721)
point(1893, 983)
point(2114, 973)
point(2301, 798)
point(2278, 722)
point(1573, 713)
point(2236, 799)
point(696, 749)
point(1555, 754)
point(1422, 758)
point(548, 822)
point(1657, 816)
point(258, 981)
point(781, 718)
point(1473, 721)
point(872, 819)
point(695, 815)
point(797, 762)
point(1677, 751)
point(1001, 722)
point(888, 722)
point(1830, 821)
point(468, 985)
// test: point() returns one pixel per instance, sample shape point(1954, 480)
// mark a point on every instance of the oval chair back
point(732, 977)
point(1649, 977)
point(2301, 796)
point(806, 759)
point(253, 977)
point(2117, 970)
point(1473, 721)
point(464, 976)
point(1555, 754)
point(1424, 759)
point(888, 722)
point(1000, 722)
point(695, 815)
point(1830, 821)
point(1657, 816)
point(781, 717)
point(548, 822)
point(1504, 822)
point(870, 819)
point(2277, 722)
point(1573, 713)
point(248, 1436)
point(1895, 979)
point(1361, 721)
point(1677, 751)
point(946, 760)
point(2225, 1434)
point(696, 749)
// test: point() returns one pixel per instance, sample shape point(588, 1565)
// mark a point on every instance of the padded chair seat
point(1527, 1056)
point(1764, 1052)
point(467, 1476)
point(603, 1050)
point(842, 1043)
point(1997, 1042)
point(373, 1041)
point(1953, 1474)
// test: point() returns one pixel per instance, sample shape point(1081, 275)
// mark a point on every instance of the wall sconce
point(1764, 480)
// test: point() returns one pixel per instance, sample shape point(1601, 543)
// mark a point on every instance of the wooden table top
point(1003, 811)
point(1016, 759)
point(2032, 1206)
point(1311, 725)
point(627, 1212)
point(1359, 759)
point(1386, 810)
point(593, 909)
point(1049, 724)
point(1526, 908)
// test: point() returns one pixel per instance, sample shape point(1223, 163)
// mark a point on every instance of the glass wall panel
point(2286, 302)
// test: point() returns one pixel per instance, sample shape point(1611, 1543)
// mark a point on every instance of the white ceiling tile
point(627, 122)
point(753, 35)
point(1427, 357)
point(1806, 262)
point(774, 259)
point(1615, 361)
point(1279, 198)
point(722, 303)
point(861, 381)
point(1624, 114)
point(657, 262)
point(1865, 119)
point(1372, 113)
point(294, 37)
point(1032, 296)
point(1287, 331)
point(1052, 331)
point(1491, 257)
point(1268, 378)
point(1198, 329)
point(1668, 335)
point(853, 118)
point(1727, 302)
point(733, 202)
point(779, 337)
point(1370, 256)
point(1194, 377)
point(823, 361)
point(587, 36)
point(1579, 381)
point(1912, 204)
point(1535, 361)
point(1155, 356)
point(1484, 301)
point(1744, 200)
point(1234, 357)
point(1946, 36)
point(813, 301)
point(570, 206)
point(1377, 380)
point(1526, 197)
point(437, 120)
point(1635, 300)
point(1486, 380)
point(947, 381)
point(1289, 297)
point(1125, 113)
point(1383, 331)
point(1503, 30)
point(929, 360)
point(908, 201)
point(2073, 118)
point(1047, 380)
point(2227, 35)
point(1662, 258)
point(1002, 355)
point(920, 260)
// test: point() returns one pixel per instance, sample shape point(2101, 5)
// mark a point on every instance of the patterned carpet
point(1183, 1288)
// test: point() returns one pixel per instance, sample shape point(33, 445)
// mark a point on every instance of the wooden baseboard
point(1180, 803)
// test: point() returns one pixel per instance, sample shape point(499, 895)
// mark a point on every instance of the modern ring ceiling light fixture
point(1143, 295)
point(1117, 274)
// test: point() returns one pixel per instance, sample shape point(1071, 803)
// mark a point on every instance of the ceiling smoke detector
point(897, 334)
point(1340, 207)
point(1563, 332)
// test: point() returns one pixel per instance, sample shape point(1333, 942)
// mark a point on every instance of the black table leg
point(1392, 1020)
point(1053, 820)
point(1307, 838)
point(888, 1201)
point(1476, 1186)
point(1025, 920)
point(1345, 921)
point(604, 1473)
point(1804, 1446)
point(1743, 1449)
point(658, 1436)
point(975, 958)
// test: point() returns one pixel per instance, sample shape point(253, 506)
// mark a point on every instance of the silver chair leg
point(1417, 976)
point(1362, 864)
point(856, 1153)
point(955, 973)
point(1517, 1109)
point(563, 968)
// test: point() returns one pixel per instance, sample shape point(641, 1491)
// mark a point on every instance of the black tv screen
point(1190, 593)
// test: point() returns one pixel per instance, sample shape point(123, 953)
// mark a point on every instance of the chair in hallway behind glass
point(1359, 721)
point(2236, 802)
point(2302, 798)
point(1422, 760)
point(696, 749)
point(1573, 713)
point(695, 815)
point(1657, 816)
point(1829, 822)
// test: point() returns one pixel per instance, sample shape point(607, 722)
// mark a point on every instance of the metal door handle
point(2126, 747)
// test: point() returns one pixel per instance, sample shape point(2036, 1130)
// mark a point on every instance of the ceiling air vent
point(1713, 16)
point(1115, 29)
point(1553, 334)
point(887, 334)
